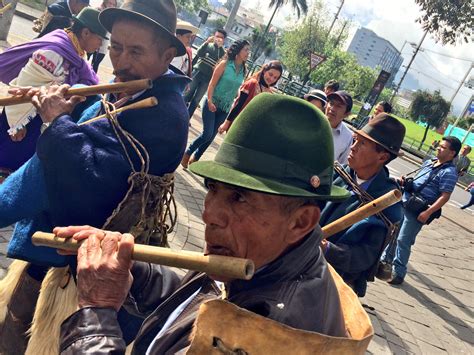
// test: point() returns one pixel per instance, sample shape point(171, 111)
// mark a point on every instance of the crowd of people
point(287, 167)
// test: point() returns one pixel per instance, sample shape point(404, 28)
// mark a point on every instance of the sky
point(395, 21)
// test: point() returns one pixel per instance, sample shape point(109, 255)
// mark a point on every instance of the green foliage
point(217, 23)
point(385, 95)
point(191, 5)
point(429, 108)
point(448, 20)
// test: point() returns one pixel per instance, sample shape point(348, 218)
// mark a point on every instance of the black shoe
point(396, 280)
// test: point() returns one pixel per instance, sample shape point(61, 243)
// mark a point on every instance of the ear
point(301, 222)
point(384, 157)
point(169, 54)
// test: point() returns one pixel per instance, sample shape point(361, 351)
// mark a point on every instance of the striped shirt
point(444, 180)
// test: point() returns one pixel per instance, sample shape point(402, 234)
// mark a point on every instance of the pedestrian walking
point(470, 188)
point(262, 81)
point(207, 57)
point(226, 79)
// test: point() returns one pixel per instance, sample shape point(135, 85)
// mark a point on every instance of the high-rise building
point(374, 51)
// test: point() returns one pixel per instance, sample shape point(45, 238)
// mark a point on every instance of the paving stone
point(429, 349)
point(379, 345)
point(423, 332)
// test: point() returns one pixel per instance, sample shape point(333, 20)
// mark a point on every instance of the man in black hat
point(87, 163)
point(355, 251)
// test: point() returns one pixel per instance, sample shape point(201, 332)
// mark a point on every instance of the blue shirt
point(444, 180)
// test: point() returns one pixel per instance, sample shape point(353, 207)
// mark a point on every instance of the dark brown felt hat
point(386, 131)
point(160, 13)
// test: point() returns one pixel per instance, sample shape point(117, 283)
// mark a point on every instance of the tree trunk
point(6, 18)
point(424, 137)
point(262, 38)
point(231, 18)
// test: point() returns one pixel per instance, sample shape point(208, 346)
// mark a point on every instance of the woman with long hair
point(221, 92)
point(261, 81)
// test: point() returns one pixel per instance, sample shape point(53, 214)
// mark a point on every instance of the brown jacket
point(296, 290)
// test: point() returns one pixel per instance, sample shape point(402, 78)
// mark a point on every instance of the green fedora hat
point(89, 17)
point(279, 145)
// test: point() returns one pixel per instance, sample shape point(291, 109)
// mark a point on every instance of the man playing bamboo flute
point(355, 251)
point(80, 172)
point(263, 203)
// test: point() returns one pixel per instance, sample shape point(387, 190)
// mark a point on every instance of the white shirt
point(182, 63)
point(342, 137)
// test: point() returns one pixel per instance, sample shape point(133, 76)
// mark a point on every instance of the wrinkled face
point(271, 76)
point(378, 109)
point(444, 152)
point(244, 53)
point(364, 155)
point(186, 39)
point(90, 42)
point(76, 6)
point(136, 53)
point(335, 111)
point(318, 103)
point(245, 224)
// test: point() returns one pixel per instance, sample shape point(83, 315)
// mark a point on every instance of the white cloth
point(182, 63)
point(44, 68)
point(342, 137)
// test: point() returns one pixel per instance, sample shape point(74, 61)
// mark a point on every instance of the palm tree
point(233, 13)
point(300, 6)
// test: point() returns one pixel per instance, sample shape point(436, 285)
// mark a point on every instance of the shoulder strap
point(431, 177)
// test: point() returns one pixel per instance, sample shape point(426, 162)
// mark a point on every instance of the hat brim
point(108, 16)
point(306, 97)
point(365, 135)
point(191, 28)
point(225, 174)
point(75, 18)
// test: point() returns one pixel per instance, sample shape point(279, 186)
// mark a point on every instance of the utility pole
point(340, 33)
point(335, 17)
point(463, 114)
point(408, 66)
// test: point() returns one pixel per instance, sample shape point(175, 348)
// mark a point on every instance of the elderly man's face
point(136, 53)
point(364, 155)
point(245, 224)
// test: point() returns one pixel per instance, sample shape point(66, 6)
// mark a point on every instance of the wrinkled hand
point(423, 217)
point(19, 135)
point(104, 260)
point(224, 127)
point(211, 106)
point(50, 102)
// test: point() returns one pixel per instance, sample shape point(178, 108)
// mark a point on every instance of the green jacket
point(207, 57)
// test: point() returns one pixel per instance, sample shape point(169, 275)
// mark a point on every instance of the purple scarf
point(15, 58)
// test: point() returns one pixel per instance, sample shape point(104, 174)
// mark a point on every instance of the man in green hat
point(263, 203)
point(355, 251)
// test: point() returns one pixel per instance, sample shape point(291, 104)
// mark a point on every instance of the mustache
point(126, 75)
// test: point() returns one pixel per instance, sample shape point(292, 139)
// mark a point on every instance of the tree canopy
point(300, 6)
point(191, 5)
point(447, 20)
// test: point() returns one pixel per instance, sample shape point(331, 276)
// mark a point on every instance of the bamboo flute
point(374, 207)
point(145, 103)
point(132, 86)
point(227, 266)
point(5, 8)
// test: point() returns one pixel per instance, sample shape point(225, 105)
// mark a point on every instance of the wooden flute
point(129, 86)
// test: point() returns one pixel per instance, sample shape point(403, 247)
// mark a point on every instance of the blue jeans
point(211, 122)
point(197, 89)
point(406, 238)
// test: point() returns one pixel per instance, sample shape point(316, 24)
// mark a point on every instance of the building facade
point(375, 52)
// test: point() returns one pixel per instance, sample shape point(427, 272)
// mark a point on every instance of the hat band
point(268, 166)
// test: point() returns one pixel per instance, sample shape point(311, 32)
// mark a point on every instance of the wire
point(447, 55)
point(436, 80)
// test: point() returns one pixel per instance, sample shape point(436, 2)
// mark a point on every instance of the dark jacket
point(354, 251)
point(207, 56)
point(296, 289)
